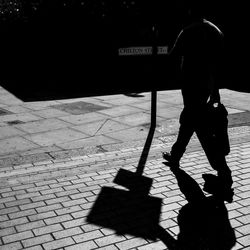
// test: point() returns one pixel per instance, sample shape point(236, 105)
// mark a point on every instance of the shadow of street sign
point(127, 212)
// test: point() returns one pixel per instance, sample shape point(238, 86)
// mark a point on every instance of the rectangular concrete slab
point(50, 113)
point(88, 142)
point(120, 110)
point(15, 144)
point(100, 127)
point(85, 118)
point(125, 100)
point(147, 105)
point(136, 133)
point(43, 125)
point(8, 131)
point(80, 107)
point(24, 117)
point(136, 119)
point(17, 109)
point(169, 112)
point(39, 105)
point(55, 137)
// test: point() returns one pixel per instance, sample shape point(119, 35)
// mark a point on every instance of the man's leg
point(217, 161)
point(186, 131)
point(214, 155)
point(183, 138)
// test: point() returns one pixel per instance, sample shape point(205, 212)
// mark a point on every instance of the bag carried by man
point(218, 123)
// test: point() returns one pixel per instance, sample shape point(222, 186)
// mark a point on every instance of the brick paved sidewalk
point(45, 205)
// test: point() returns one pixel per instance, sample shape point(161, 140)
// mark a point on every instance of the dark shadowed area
point(59, 49)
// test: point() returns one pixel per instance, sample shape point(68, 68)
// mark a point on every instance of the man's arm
point(214, 92)
point(215, 96)
point(177, 49)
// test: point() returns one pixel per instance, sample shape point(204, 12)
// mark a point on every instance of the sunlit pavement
point(57, 157)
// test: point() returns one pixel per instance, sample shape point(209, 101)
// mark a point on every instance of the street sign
point(132, 51)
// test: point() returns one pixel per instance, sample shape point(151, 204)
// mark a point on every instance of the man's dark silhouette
point(199, 48)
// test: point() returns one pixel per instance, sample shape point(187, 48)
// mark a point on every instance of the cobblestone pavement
point(47, 196)
point(45, 205)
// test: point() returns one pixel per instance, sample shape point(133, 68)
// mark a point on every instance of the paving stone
point(155, 245)
point(245, 240)
point(89, 141)
point(244, 229)
point(85, 118)
point(86, 246)
point(32, 205)
point(74, 202)
point(74, 223)
point(22, 213)
point(88, 236)
point(35, 248)
point(3, 217)
point(110, 247)
point(107, 240)
point(23, 117)
point(128, 244)
point(12, 246)
point(136, 133)
point(44, 197)
point(7, 231)
point(245, 202)
point(235, 223)
point(29, 226)
point(67, 232)
point(58, 219)
point(14, 222)
point(244, 219)
point(15, 144)
point(101, 127)
point(234, 214)
point(41, 216)
point(16, 109)
point(48, 208)
point(7, 199)
point(120, 111)
point(55, 137)
point(42, 125)
point(9, 210)
point(17, 237)
point(47, 229)
point(58, 243)
point(50, 113)
point(37, 240)
point(8, 131)
point(80, 107)
point(68, 210)
point(244, 210)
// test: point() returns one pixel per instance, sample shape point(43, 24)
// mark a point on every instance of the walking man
point(199, 48)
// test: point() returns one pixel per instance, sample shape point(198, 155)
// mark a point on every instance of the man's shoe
point(168, 157)
point(214, 186)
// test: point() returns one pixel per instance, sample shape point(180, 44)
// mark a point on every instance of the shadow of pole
point(129, 179)
point(149, 139)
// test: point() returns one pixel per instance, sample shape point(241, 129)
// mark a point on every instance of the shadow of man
point(203, 221)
